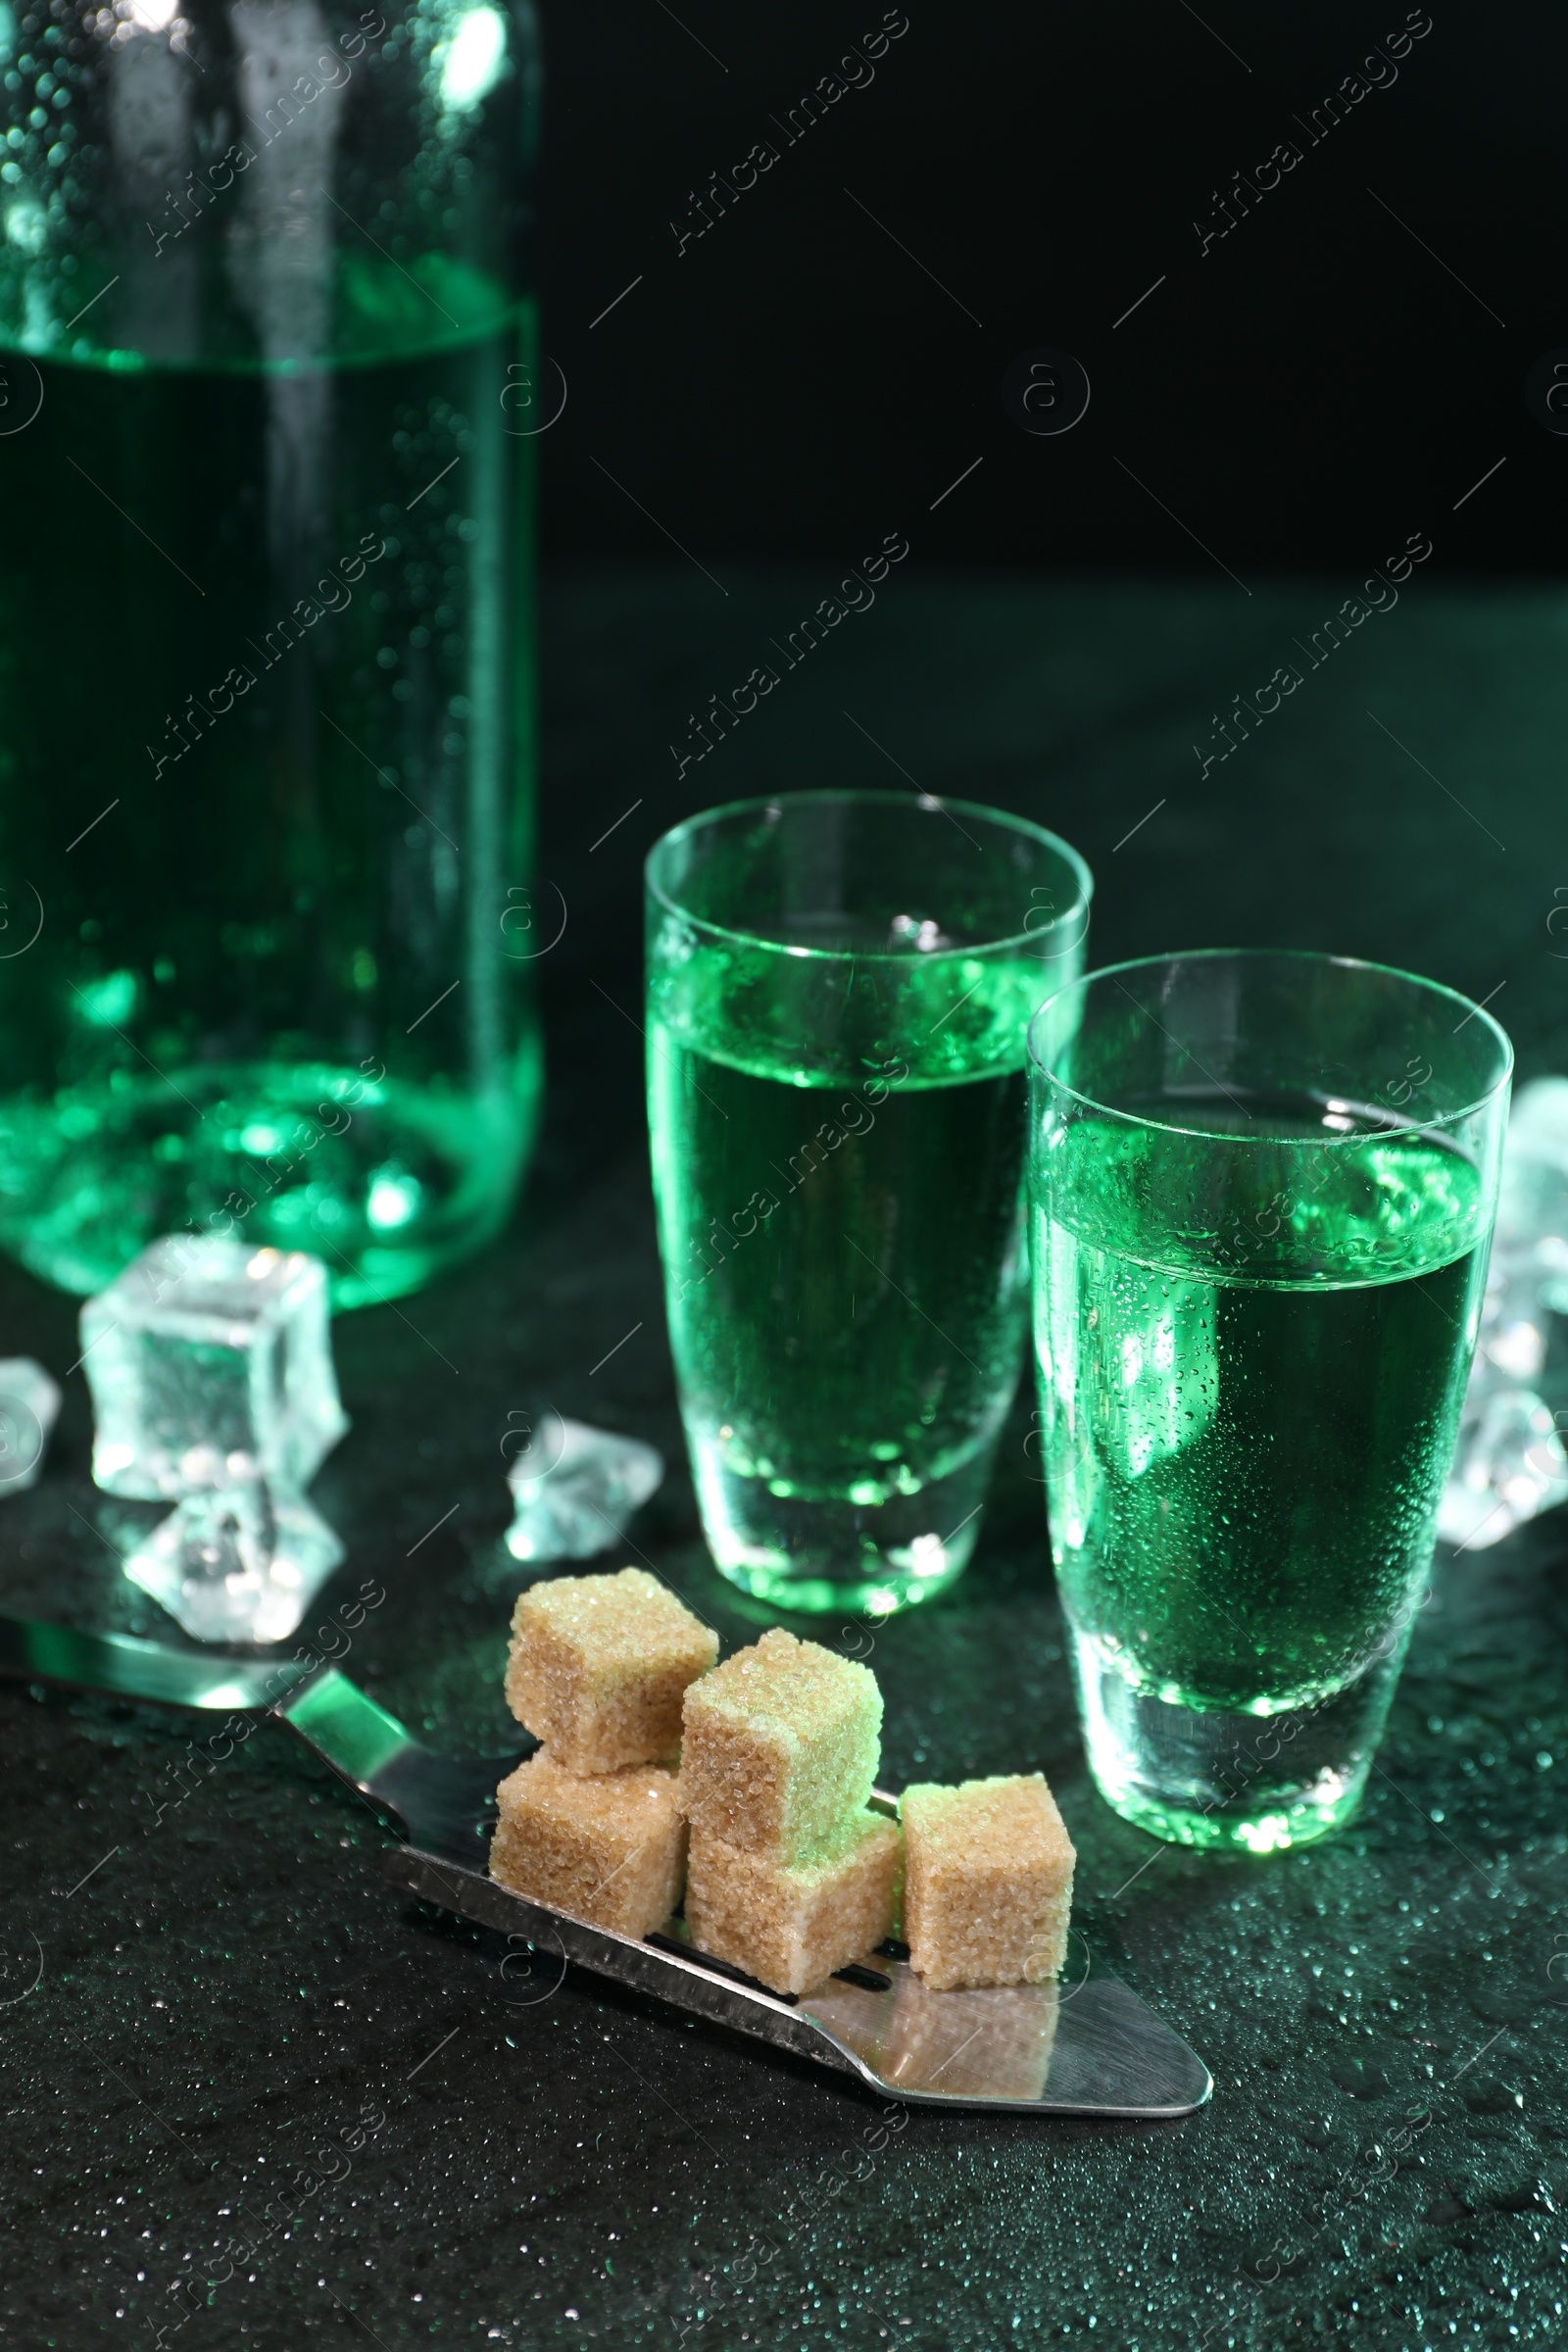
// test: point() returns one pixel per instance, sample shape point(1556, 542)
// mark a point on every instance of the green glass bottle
point(269, 397)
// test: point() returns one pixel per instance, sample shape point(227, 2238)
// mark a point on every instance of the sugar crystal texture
point(790, 1926)
point(780, 1748)
point(575, 1489)
point(610, 1848)
point(29, 1401)
point(988, 1882)
point(600, 1665)
point(211, 1365)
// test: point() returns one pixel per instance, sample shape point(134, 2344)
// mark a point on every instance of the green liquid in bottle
point(266, 791)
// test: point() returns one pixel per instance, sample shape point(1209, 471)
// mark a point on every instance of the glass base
point(386, 1182)
point(824, 1556)
point(1218, 1776)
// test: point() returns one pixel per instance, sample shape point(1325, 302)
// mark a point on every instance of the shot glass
point(1262, 1195)
point(839, 986)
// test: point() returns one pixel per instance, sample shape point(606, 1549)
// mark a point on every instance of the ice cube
point(237, 1564)
point(575, 1489)
point(1510, 1463)
point(1510, 1466)
point(29, 1400)
point(211, 1366)
point(1512, 1342)
point(1532, 1206)
point(1538, 1123)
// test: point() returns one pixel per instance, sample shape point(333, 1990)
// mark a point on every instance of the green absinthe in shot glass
point(1264, 1190)
point(840, 986)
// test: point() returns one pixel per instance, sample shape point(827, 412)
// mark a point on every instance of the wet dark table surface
point(253, 2097)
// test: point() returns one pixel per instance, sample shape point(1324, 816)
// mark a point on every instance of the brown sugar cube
point(994, 2044)
point(599, 1667)
point(792, 1926)
point(779, 1748)
point(988, 1885)
point(611, 1848)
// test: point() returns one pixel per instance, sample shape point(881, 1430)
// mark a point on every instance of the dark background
point(223, 1993)
point(1316, 387)
point(228, 1987)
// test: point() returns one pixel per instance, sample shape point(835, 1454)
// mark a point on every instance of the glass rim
point(925, 802)
point(1318, 955)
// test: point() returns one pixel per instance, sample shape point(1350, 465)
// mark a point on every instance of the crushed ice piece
point(1538, 1123)
point(575, 1489)
point(1517, 1348)
point(211, 1365)
point(237, 1564)
point(30, 1403)
point(1511, 1466)
point(1509, 1463)
point(1515, 1324)
point(1532, 1206)
point(211, 1369)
